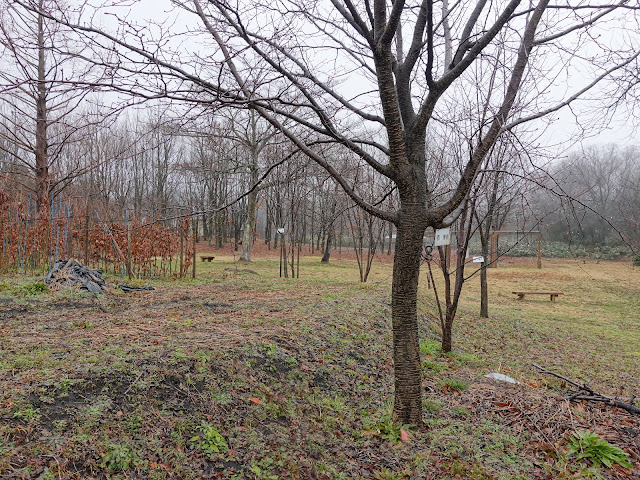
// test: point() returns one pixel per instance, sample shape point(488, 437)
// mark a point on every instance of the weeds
point(27, 412)
point(30, 289)
point(386, 474)
point(47, 474)
point(429, 347)
point(430, 367)
point(118, 457)
point(588, 445)
point(210, 442)
point(432, 406)
point(456, 384)
point(386, 428)
point(261, 470)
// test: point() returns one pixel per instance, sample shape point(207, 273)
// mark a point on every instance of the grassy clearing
point(237, 375)
point(592, 331)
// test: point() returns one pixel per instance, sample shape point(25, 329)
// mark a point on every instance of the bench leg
point(553, 298)
point(520, 296)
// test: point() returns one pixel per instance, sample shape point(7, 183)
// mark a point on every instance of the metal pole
point(35, 234)
point(280, 255)
point(26, 232)
point(127, 229)
point(181, 227)
point(86, 236)
point(194, 226)
point(539, 250)
point(51, 233)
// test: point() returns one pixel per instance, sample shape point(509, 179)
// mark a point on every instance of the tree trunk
point(205, 227)
point(267, 229)
point(465, 222)
point(327, 251)
point(42, 177)
point(220, 230)
point(283, 246)
point(237, 232)
point(313, 223)
point(250, 221)
point(383, 236)
point(371, 250)
point(484, 285)
point(447, 333)
point(407, 407)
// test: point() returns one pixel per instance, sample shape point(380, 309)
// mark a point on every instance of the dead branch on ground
point(585, 393)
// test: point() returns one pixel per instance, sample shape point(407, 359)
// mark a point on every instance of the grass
point(234, 375)
point(601, 301)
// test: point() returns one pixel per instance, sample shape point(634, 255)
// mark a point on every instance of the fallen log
point(586, 393)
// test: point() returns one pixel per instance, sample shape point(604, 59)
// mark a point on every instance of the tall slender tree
point(38, 104)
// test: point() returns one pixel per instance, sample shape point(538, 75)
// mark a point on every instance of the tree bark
point(447, 334)
point(220, 233)
point(267, 228)
point(406, 352)
point(42, 177)
point(484, 284)
point(249, 223)
point(327, 250)
point(283, 246)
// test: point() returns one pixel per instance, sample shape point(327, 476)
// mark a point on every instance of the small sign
point(280, 231)
point(442, 237)
point(478, 259)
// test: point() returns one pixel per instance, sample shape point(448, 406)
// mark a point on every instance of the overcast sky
point(559, 137)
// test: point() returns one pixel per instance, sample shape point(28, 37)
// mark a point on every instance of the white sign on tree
point(442, 237)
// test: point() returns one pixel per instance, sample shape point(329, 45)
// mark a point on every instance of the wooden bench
point(552, 295)
point(208, 258)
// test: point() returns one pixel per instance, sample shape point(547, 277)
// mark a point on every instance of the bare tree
point(501, 183)
point(38, 105)
point(362, 71)
point(594, 178)
point(628, 202)
point(253, 134)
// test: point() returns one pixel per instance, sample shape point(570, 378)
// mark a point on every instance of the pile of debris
point(69, 273)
